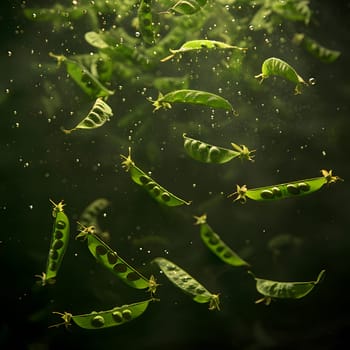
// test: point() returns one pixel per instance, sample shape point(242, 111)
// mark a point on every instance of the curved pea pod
point(187, 7)
point(206, 153)
point(58, 245)
point(146, 22)
point(83, 77)
point(276, 66)
point(213, 241)
point(98, 115)
point(191, 96)
point(156, 191)
point(114, 263)
point(317, 50)
point(95, 40)
point(104, 319)
point(286, 190)
point(284, 290)
point(202, 44)
point(187, 283)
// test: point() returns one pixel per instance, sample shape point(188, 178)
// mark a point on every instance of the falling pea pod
point(206, 153)
point(187, 283)
point(191, 96)
point(201, 44)
point(104, 319)
point(187, 7)
point(98, 115)
point(284, 290)
point(159, 193)
point(113, 262)
point(276, 66)
point(213, 241)
point(286, 190)
point(58, 245)
point(146, 22)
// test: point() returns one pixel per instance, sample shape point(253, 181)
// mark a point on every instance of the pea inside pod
point(285, 190)
point(284, 290)
point(156, 191)
point(104, 319)
point(207, 153)
point(114, 263)
point(213, 241)
point(58, 245)
point(187, 283)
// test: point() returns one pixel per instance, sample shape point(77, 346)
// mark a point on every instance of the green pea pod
point(317, 50)
point(146, 22)
point(187, 283)
point(58, 245)
point(284, 290)
point(195, 45)
point(156, 191)
point(206, 153)
point(83, 77)
point(104, 319)
point(187, 7)
point(213, 241)
point(286, 190)
point(95, 40)
point(114, 263)
point(193, 97)
point(275, 66)
point(98, 115)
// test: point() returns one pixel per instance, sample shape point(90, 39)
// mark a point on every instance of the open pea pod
point(275, 66)
point(114, 263)
point(156, 191)
point(104, 319)
point(206, 153)
point(98, 115)
point(193, 97)
point(83, 77)
point(201, 44)
point(187, 283)
point(58, 245)
point(286, 190)
point(213, 241)
point(284, 290)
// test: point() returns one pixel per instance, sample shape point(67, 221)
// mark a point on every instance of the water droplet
point(312, 81)
point(137, 34)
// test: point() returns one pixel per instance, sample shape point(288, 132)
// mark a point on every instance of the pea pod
point(83, 77)
point(284, 290)
point(104, 319)
point(213, 241)
point(146, 23)
point(193, 97)
point(276, 66)
point(196, 45)
point(206, 153)
point(187, 283)
point(316, 49)
point(114, 263)
point(187, 7)
point(58, 245)
point(95, 40)
point(98, 115)
point(156, 191)
point(286, 190)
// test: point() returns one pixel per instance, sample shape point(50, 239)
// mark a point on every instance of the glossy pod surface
point(284, 290)
point(207, 153)
point(113, 262)
point(187, 283)
point(213, 241)
point(286, 190)
point(156, 191)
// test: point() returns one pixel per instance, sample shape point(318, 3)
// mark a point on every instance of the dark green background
point(289, 143)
